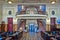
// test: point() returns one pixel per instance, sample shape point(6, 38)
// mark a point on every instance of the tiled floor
point(31, 36)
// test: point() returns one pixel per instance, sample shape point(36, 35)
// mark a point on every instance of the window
point(9, 12)
point(53, 12)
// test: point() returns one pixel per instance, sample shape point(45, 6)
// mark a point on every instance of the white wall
point(49, 7)
point(56, 8)
point(6, 8)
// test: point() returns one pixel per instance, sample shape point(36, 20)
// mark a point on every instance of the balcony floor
point(32, 36)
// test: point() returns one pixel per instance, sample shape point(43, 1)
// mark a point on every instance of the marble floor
point(31, 36)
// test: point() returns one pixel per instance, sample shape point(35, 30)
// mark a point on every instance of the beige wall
point(0, 13)
point(14, 27)
point(47, 27)
point(58, 25)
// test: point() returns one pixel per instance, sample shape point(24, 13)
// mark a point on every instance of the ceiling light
point(10, 2)
point(53, 2)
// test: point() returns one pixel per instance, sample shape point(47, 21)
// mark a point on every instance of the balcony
point(31, 13)
point(31, 16)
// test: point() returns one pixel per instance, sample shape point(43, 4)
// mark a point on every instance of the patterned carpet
point(31, 36)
